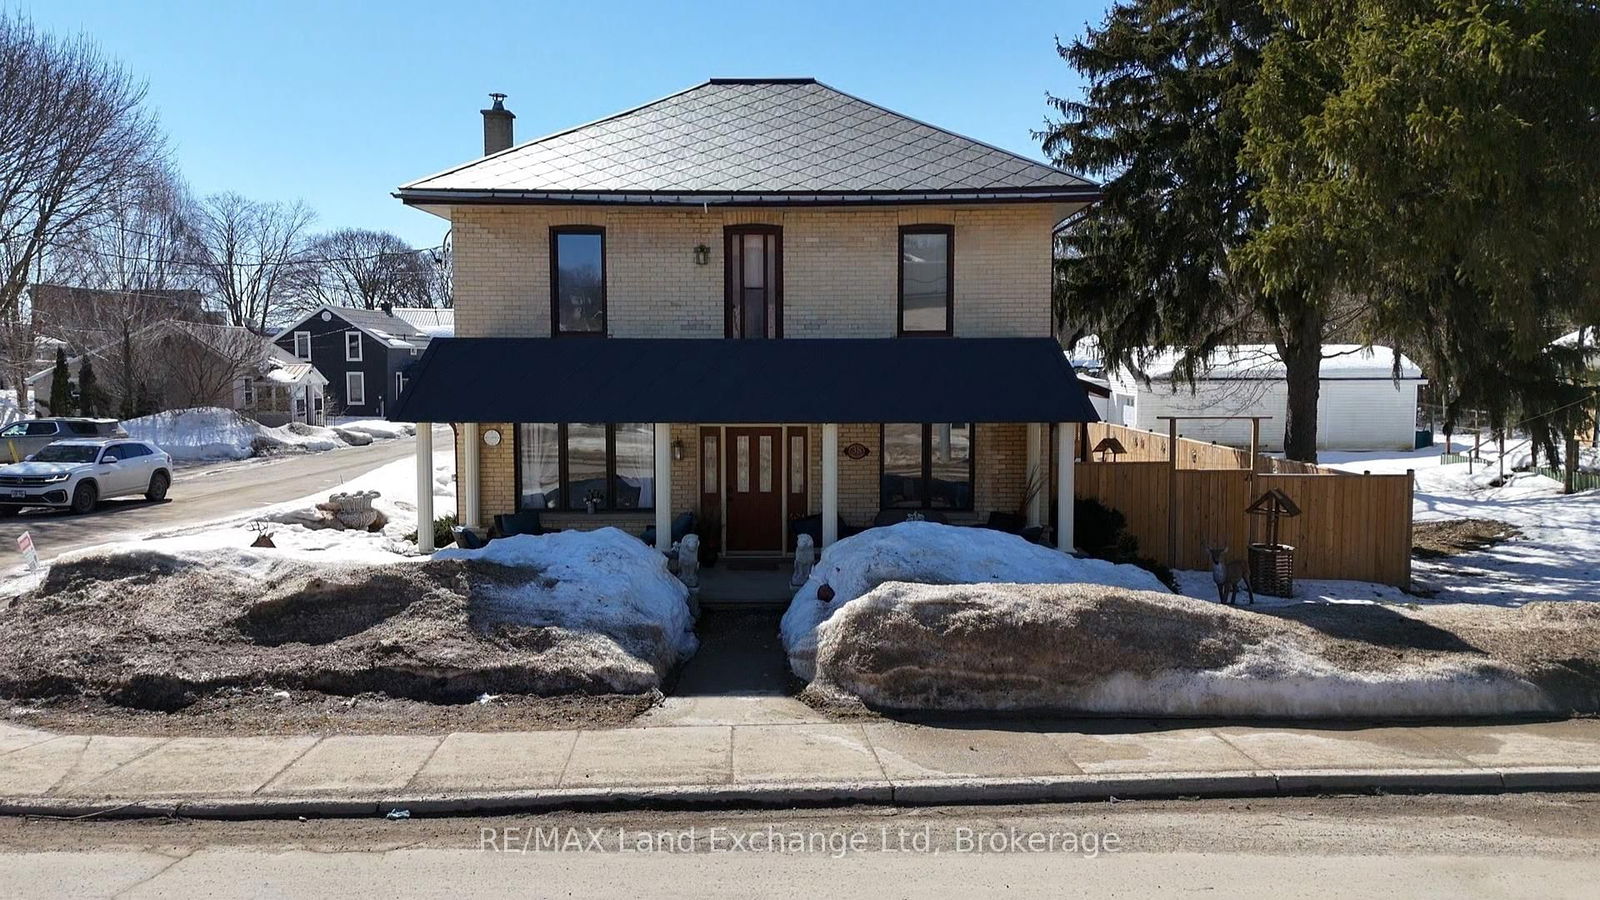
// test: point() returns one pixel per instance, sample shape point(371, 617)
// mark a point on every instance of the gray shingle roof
point(743, 139)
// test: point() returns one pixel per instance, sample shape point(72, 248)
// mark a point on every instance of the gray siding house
point(365, 354)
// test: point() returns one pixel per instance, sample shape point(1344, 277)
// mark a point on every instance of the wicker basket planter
point(1272, 569)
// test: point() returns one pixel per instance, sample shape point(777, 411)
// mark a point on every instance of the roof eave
point(436, 197)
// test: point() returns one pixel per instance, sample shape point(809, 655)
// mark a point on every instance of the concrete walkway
point(771, 751)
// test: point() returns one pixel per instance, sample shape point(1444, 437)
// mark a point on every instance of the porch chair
point(682, 525)
point(524, 521)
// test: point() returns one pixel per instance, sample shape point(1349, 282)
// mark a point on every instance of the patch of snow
point(930, 553)
point(196, 434)
point(213, 433)
point(604, 580)
point(1261, 361)
point(380, 429)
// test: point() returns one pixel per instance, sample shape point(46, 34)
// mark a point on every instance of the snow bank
point(930, 553)
point(168, 628)
point(211, 433)
point(374, 428)
point(206, 432)
point(605, 581)
point(1076, 649)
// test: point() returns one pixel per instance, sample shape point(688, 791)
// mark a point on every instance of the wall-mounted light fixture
point(677, 449)
point(702, 254)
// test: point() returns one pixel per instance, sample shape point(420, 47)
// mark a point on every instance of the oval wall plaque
point(857, 450)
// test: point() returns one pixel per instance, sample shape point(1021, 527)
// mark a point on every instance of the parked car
point(19, 440)
point(78, 473)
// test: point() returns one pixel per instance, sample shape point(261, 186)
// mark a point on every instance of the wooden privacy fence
point(1355, 527)
point(1147, 446)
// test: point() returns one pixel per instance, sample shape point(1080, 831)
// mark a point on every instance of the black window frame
point(556, 231)
point(949, 232)
point(927, 468)
point(565, 503)
point(729, 234)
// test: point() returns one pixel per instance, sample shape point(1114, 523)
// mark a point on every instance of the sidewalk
point(772, 751)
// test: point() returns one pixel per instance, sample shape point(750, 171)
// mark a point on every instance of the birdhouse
point(1109, 448)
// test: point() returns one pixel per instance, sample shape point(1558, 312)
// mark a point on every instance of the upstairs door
point(753, 257)
point(753, 481)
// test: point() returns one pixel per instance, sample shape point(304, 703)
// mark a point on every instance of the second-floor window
point(927, 289)
point(754, 281)
point(302, 344)
point(352, 346)
point(577, 280)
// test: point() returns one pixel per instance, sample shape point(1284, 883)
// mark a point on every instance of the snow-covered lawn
point(1557, 557)
point(212, 433)
point(929, 553)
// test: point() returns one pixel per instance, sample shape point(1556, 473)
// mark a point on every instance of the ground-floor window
point(577, 465)
point(926, 466)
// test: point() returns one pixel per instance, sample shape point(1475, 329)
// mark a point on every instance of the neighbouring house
point(64, 309)
point(765, 302)
point(1365, 402)
point(178, 365)
point(365, 353)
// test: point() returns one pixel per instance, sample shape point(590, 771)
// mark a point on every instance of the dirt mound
point(1453, 537)
point(149, 630)
point(1080, 648)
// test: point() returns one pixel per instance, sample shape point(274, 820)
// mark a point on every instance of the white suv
point(78, 474)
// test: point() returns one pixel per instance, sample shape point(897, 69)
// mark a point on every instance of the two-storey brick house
point(757, 300)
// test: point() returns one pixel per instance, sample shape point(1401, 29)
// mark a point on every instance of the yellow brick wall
point(840, 269)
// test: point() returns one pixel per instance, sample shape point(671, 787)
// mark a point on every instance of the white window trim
point(347, 356)
point(297, 353)
point(399, 384)
point(355, 382)
point(249, 391)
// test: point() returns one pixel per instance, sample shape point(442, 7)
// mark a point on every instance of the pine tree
point(1441, 158)
point(1155, 264)
point(89, 399)
point(62, 403)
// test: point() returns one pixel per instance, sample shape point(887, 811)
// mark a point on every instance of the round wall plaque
point(492, 437)
point(327, 316)
point(857, 450)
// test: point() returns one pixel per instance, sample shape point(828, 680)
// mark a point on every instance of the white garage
point(1364, 403)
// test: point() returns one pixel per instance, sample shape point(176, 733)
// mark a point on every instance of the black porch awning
point(734, 381)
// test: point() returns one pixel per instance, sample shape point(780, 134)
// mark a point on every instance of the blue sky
point(337, 103)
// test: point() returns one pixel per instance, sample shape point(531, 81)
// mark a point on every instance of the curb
point(951, 791)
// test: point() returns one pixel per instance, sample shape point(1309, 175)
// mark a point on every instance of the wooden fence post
point(1172, 493)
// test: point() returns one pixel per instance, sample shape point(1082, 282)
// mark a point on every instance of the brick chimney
point(497, 125)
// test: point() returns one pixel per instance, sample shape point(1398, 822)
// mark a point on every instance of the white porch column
point(663, 498)
point(468, 482)
point(1066, 458)
point(1036, 475)
point(425, 487)
point(830, 484)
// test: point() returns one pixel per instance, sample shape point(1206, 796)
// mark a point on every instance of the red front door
point(753, 479)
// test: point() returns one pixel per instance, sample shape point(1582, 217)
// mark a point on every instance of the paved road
point(1440, 846)
point(199, 494)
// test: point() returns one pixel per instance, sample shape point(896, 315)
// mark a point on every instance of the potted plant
point(592, 501)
